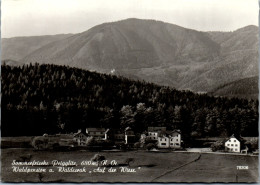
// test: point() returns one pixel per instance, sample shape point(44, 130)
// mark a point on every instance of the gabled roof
point(177, 131)
point(163, 136)
point(95, 129)
point(169, 133)
point(156, 129)
point(78, 133)
point(236, 137)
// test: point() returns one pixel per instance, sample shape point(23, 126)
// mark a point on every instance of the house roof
point(116, 131)
point(156, 129)
point(95, 129)
point(177, 131)
point(78, 133)
point(169, 133)
point(236, 137)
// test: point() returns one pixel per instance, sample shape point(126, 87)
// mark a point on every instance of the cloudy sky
point(48, 17)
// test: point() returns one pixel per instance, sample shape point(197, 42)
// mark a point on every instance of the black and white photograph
point(129, 91)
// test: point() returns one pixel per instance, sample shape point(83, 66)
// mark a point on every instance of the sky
point(49, 17)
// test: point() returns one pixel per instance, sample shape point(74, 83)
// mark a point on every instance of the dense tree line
point(38, 99)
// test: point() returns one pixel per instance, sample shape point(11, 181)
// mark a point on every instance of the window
point(234, 140)
point(230, 140)
point(176, 139)
point(231, 144)
point(163, 143)
point(235, 144)
point(165, 139)
point(235, 149)
point(177, 144)
point(154, 138)
point(231, 149)
point(160, 139)
point(227, 144)
point(171, 143)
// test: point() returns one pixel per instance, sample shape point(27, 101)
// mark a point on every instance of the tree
point(127, 116)
point(217, 146)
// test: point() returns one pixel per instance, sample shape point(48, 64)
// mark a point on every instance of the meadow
point(148, 167)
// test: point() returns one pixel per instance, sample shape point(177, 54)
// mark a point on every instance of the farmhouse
point(80, 138)
point(169, 139)
point(163, 141)
point(154, 131)
point(175, 139)
point(97, 133)
point(233, 144)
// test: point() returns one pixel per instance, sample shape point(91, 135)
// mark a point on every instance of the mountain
point(238, 59)
point(17, 48)
point(158, 52)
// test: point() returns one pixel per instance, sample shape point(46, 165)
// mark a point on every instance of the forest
point(38, 99)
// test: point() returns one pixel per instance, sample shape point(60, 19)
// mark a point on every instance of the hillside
point(158, 52)
point(38, 99)
point(239, 88)
point(17, 48)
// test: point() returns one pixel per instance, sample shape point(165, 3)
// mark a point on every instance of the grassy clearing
point(210, 167)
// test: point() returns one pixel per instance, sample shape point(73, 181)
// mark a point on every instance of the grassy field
point(149, 166)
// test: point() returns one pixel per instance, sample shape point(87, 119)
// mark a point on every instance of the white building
point(175, 139)
point(153, 132)
point(233, 144)
point(163, 141)
point(97, 133)
point(169, 139)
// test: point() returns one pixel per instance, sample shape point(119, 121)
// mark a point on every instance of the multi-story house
point(175, 139)
point(97, 133)
point(153, 132)
point(169, 139)
point(233, 144)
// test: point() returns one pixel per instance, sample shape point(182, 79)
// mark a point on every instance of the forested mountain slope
point(38, 99)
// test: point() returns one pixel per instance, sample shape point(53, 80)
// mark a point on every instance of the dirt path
point(165, 173)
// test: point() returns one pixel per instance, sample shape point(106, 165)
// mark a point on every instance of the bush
point(252, 144)
point(148, 140)
point(137, 145)
point(40, 142)
point(90, 141)
point(218, 145)
point(150, 146)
